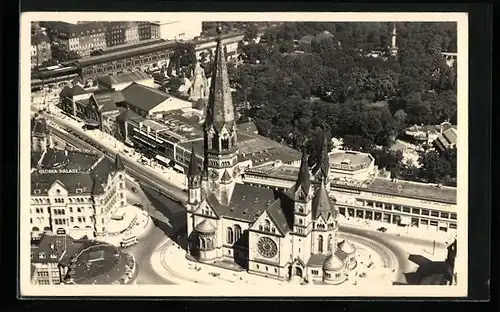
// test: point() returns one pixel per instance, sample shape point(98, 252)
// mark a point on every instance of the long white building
point(361, 193)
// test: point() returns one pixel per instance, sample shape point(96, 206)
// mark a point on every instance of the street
point(169, 212)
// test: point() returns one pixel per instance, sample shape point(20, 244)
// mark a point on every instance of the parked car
point(137, 205)
point(134, 189)
point(382, 229)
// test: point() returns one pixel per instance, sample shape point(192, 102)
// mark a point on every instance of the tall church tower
point(220, 131)
point(393, 49)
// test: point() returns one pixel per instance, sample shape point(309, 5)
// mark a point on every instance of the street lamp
point(433, 246)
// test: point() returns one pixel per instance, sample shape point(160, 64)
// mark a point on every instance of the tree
point(439, 168)
point(251, 32)
point(400, 120)
point(174, 84)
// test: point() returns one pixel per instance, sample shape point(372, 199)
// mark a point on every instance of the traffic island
point(132, 222)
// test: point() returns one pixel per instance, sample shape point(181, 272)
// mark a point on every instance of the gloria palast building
point(74, 193)
point(281, 235)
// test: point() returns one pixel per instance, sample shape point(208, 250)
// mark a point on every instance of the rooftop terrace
point(377, 185)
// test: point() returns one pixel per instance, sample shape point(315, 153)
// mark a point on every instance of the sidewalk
point(56, 118)
point(135, 223)
point(442, 237)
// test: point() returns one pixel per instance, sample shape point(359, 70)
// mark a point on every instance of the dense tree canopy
point(289, 85)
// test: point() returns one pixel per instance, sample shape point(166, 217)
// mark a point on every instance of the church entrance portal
point(298, 271)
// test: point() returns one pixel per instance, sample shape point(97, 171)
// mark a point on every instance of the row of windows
point(267, 227)
point(60, 221)
point(425, 212)
point(58, 200)
point(233, 236)
point(266, 268)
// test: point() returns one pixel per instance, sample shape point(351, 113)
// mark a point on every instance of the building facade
point(361, 193)
point(74, 193)
point(41, 140)
point(80, 38)
point(40, 49)
point(143, 58)
point(283, 235)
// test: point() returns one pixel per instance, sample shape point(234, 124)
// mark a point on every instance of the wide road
point(134, 169)
point(151, 182)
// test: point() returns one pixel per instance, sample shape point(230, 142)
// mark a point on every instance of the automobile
point(134, 189)
point(137, 205)
point(185, 190)
point(382, 229)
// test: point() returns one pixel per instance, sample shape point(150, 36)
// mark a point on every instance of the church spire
point(321, 169)
point(220, 110)
point(193, 169)
point(303, 179)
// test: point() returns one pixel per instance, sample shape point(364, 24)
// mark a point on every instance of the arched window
point(330, 242)
point(215, 143)
point(225, 143)
point(260, 227)
point(202, 243)
point(237, 233)
point(229, 235)
point(320, 243)
point(267, 225)
point(209, 244)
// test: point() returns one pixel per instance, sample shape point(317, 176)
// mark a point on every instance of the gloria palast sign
point(49, 171)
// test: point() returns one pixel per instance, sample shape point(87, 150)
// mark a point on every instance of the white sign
point(49, 171)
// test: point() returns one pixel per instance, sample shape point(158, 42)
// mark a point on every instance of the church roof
point(347, 247)
point(226, 177)
point(333, 263)
point(193, 169)
point(119, 163)
point(282, 218)
point(247, 202)
point(322, 204)
point(220, 110)
point(206, 226)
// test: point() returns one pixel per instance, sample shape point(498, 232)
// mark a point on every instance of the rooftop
point(132, 51)
point(350, 160)
point(50, 248)
point(39, 38)
point(96, 262)
point(123, 78)
point(377, 185)
point(72, 91)
point(76, 171)
point(143, 97)
point(39, 126)
point(249, 202)
point(128, 46)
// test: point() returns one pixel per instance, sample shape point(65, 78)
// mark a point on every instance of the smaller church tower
point(302, 193)
point(199, 85)
point(321, 169)
point(194, 182)
point(393, 49)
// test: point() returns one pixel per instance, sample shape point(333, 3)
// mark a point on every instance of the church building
point(283, 235)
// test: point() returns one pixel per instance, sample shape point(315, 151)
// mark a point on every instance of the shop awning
point(405, 220)
point(91, 122)
point(162, 159)
point(179, 167)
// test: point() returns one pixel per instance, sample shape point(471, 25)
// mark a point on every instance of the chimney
point(52, 246)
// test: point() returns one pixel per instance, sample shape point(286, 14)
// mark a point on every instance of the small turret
point(194, 180)
point(119, 163)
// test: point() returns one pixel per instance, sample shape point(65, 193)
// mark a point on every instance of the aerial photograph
point(184, 152)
